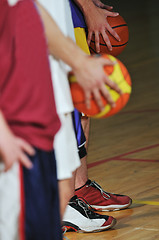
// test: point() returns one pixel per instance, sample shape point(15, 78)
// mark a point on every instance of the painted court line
point(139, 150)
point(136, 160)
point(120, 157)
point(146, 202)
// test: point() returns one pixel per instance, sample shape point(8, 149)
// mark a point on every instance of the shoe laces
point(64, 230)
point(96, 185)
point(89, 211)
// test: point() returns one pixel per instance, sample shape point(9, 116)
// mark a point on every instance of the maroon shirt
point(26, 93)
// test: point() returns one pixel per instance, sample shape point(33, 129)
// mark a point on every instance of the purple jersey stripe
point(77, 16)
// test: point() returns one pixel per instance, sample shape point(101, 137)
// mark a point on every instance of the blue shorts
point(41, 218)
point(29, 203)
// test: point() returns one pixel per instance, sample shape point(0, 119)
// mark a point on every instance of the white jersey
point(65, 144)
point(60, 11)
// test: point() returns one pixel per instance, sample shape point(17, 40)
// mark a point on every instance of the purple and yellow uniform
point(80, 35)
point(79, 27)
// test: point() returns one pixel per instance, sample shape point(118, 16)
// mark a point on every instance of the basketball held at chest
point(117, 73)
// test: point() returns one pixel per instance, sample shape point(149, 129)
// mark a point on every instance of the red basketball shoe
point(100, 200)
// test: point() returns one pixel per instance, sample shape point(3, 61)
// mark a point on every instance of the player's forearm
point(60, 47)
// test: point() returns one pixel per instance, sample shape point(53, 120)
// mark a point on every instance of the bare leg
point(80, 176)
point(82, 172)
point(66, 191)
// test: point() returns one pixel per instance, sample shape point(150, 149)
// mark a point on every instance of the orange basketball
point(121, 28)
point(117, 73)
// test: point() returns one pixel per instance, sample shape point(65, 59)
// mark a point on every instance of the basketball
point(117, 73)
point(121, 28)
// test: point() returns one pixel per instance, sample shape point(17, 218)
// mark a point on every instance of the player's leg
point(82, 172)
point(66, 191)
point(89, 190)
point(78, 216)
point(67, 159)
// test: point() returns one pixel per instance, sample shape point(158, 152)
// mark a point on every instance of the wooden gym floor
point(123, 155)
